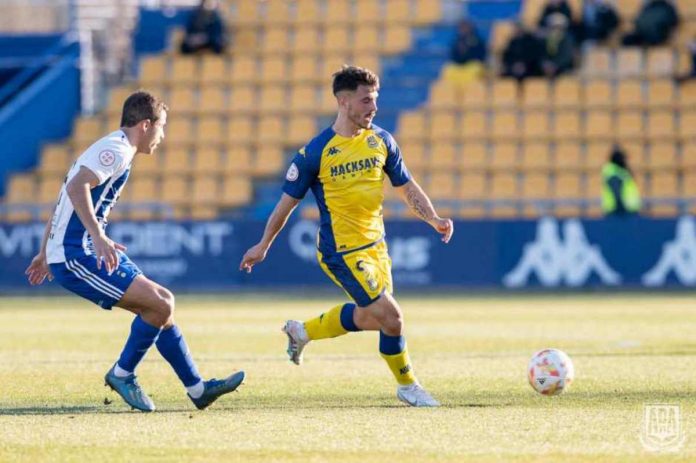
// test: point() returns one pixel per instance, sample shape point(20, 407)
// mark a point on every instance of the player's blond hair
point(139, 106)
point(350, 77)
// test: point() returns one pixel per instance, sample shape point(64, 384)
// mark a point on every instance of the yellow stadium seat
point(629, 94)
point(307, 41)
point(661, 93)
point(237, 161)
point(598, 125)
point(567, 185)
point(22, 188)
point(89, 129)
point(687, 160)
point(339, 14)
point(304, 69)
point(49, 189)
point(184, 70)
point(476, 95)
point(142, 189)
point(567, 125)
point(55, 160)
point(444, 95)
point(210, 130)
point(504, 185)
point(414, 155)
point(176, 161)
point(536, 185)
point(148, 164)
point(246, 12)
point(504, 93)
point(236, 191)
point(597, 62)
point(301, 129)
point(243, 99)
point(568, 156)
point(593, 185)
point(397, 12)
point(689, 184)
point(182, 100)
point(443, 156)
point(303, 98)
point(473, 125)
point(427, 12)
point(246, 37)
point(661, 62)
point(472, 186)
point(271, 129)
point(274, 70)
point(367, 59)
point(443, 125)
point(687, 125)
point(153, 70)
point(662, 156)
point(205, 191)
point(273, 99)
point(411, 123)
point(366, 37)
point(501, 35)
point(535, 125)
point(660, 125)
point(505, 156)
point(629, 125)
point(537, 93)
point(207, 161)
point(629, 62)
point(213, 70)
point(327, 101)
point(277, 13)
point(176, 190)
point(240, 130)
point(307, 13)
point(244, 69)
point(442, 186)
point(505, 125)
point(212, 100)
point(268, 160)
point(628, 9)
point(397, 38)
point(474, 156)
point(597, 155)
point(663, 184)
point(275, 39)
point(336, 39)
point(567, 92)
point(178, 131)
point(598, 93)
point(535, 156)
point(531, 11)
point(117, 96)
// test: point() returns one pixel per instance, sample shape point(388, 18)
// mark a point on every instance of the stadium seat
point(307, 13)
point(567, 125)
point(503, 187)
point(629, 125)
point(268, 161)
point(303, 99)
point(304, 70)
point(531, 12)
point(567, 185)
point(661, 62)
point(426, 12)
point(237, 160)
point(444, 95)
point(141, 188)
point(236, 191)
point(661, 93)
point(414, 154)
point(443, 126)
point(471, 186)
point(535, 156)
point(473, 125)
point(273, 99)
point(179, 131)
point(274, 70)
point(505, 156)
point(213, 70)
point(504, 93)
point(397, 12)
point(176, 161)
point(244, 70)
point(89, 129)
point(505, 125)
point(301, 129)
point(365, 37)
point(240, 130)
point(22, 188)
point(207, 161)
point(661, 126)
point(597, 62)
point(153, 70)
point(175, 190)
point(336, 38)
point(270, 129)
point(307, 41)
point(210, 130)
point(148, 164)
point(629, 62)
point(49, 189)
point(568, 156)
point(687, 160)
point(535, 185)
point(662, 156)
point(597, 155)
point(629, 94)
point(567, 93)
point(474, 156)
point(598, 93)
point(212, 100)
point(243, 99)
point(277, 13)
point(246, 37)
point(536, 93)
point(628, 9)
point(55, 160)
point(412, 125)
point(475, 96)
point(663, 184)
point(441, 185)
point(396, 39)
point(205, 191)
point(184, 70)
point(443, 156)
point(598, 125)
point(182, 100)
point(275, 39)
point(536, 125)
point(687, 125)
point(501, 35)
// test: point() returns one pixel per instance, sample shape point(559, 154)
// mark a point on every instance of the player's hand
point(253, 256)
point(38, 270)
point(106, 251)
point(445, 227)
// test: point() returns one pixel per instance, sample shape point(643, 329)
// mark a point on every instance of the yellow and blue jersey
point(346, 176)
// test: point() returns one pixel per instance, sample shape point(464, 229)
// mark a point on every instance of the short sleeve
point(395, 166)
point(104, 162)
point(300, 175)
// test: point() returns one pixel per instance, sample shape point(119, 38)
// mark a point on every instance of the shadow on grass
point(79, 410)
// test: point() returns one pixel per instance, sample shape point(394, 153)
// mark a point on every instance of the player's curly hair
point(350, 77)
point(139, 106)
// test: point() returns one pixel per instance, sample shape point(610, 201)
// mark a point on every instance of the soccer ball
point(550, 371)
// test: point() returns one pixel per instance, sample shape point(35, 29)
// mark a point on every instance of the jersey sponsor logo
point(107, 158)
point(354, 166)
point(372, 141)
point(555, 260)
point(333, 150)
point(293, 173)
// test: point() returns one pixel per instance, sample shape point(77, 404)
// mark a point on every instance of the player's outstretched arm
point(39, 270)
point(275, 224)
point(78, 190)
point(416, 199)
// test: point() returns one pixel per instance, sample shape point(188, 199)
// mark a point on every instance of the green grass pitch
point(340, 406)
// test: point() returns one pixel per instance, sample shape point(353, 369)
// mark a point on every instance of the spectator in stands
point(654, 24)
point(522, 56)
point(205, 29)
point(620, 195)
point(554, 7)
point(467, 55)
point(599, 20)
point(559, 47)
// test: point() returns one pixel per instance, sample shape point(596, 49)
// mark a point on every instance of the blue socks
point(172, 346)
point(391, 345)
point(141, 338)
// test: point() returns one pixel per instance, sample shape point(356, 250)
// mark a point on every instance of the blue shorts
point(80, 275)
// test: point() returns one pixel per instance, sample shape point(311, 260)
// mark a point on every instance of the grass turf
point(340, 406)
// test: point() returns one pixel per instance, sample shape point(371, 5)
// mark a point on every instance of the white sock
point(120, 372)
point(196, 390)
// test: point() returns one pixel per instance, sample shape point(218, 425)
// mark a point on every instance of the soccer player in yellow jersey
point(345, 167)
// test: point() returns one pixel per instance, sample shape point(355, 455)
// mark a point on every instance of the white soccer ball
point(550, 371)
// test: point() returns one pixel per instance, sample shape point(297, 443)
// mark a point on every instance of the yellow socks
point(336, 322)
point(395, 353)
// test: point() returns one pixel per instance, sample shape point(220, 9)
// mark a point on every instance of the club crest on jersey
point(372, 142)
point(107, 158)
point(293, 173)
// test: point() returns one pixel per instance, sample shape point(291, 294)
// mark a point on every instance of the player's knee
point(163, 307)
point(393, 323)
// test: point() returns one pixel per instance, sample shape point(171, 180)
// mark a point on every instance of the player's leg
point(155, 304)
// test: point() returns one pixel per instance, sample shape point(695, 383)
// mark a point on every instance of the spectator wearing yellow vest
point(620, 195)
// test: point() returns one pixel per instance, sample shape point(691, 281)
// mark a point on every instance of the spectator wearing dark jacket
point(654, 24)
point(553, 7)
point(205, 29)
point(522, 56)
point(559, 47)
point(467, 55)
point(599, 20)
